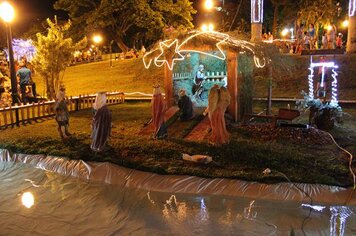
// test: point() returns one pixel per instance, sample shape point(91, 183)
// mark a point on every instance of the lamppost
point(97, 39)
point(7, 13)
point(111, 42)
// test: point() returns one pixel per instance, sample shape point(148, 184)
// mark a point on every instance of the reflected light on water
point(27, 199)
point(339, 215)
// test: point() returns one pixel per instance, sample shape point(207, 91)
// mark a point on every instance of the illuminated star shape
point(164, 46)
point(222, 55)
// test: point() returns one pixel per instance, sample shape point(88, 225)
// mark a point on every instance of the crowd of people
point(26, 87)
point(307, 39)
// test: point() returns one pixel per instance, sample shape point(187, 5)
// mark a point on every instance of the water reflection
point(339, 215)
point(27, 199)
point(74, 207)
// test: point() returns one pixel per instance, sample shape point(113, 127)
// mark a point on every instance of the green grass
point(290, 76)
point(127, 75)
point(244, 158)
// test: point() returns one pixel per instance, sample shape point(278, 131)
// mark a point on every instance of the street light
point(207, 27)
point(345, 23)
point(7, 13)
point(209, 4)
point(97, 39)
point(284, 32)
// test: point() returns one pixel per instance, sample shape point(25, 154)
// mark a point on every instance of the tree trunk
point(275, 21)
point(50, 88)
point(120, 43)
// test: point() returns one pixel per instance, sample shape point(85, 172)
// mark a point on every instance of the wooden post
point(233, 84)
point(269, 99)
point(78, 103)
point(168, 84)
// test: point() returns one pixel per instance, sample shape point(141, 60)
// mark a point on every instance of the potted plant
point(322, 114)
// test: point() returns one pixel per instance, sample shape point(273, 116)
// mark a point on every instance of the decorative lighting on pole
point(256, 20)
point(7, 13)
point(351, 35)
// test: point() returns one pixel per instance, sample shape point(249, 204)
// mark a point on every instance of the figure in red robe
point(219, 100)
point(158, 111)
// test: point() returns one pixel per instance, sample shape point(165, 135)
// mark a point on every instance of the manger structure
point(213, 54)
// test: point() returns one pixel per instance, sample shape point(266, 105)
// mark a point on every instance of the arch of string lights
point(179, 53)
point(334, 75)
point(257, 14)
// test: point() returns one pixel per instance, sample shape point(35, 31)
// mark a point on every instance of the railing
point(212, 76)
point(14, 115)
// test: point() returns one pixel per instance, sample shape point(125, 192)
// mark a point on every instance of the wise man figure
point(101, 124)
point(158, 112)
point(218, 101)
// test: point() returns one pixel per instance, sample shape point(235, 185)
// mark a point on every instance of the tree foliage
point(317, 11)
point(123, 19)
point(54, 52)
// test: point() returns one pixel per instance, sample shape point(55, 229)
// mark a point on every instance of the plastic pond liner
point(42, 195)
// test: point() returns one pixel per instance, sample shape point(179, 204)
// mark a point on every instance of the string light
point(162, 45)
point(217, 36)
point(222, 57)
point(334, 75)
point(352, 7)
point(311, 83)
point(334, 87)
point(259, 17)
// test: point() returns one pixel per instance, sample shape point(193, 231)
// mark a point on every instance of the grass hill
point(127, 75)
point(290, 76)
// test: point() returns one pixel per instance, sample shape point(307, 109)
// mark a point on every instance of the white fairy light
point(334, 75)
point(158, 62)
point(352, 7)
point(259, 17)
point(334, 87)
point(220, 37)
point(311, 83)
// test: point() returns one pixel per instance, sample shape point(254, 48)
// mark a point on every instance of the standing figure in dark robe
point(185, 106)
point(101, 124)
point(158, 112)
point(62, 114)
point(219, 100)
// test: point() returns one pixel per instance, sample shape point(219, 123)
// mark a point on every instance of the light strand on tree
point(257, 18)
point(352, 7)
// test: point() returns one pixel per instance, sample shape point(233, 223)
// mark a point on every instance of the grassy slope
point(125, 75)
point(290, 77)
point(244, 158)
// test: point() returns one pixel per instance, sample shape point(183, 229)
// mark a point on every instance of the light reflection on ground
point(68, 206)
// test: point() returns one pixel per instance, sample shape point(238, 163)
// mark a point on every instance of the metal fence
point(210, 76)
point(22, 114)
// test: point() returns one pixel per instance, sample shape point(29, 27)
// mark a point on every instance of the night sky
point(30, 11)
